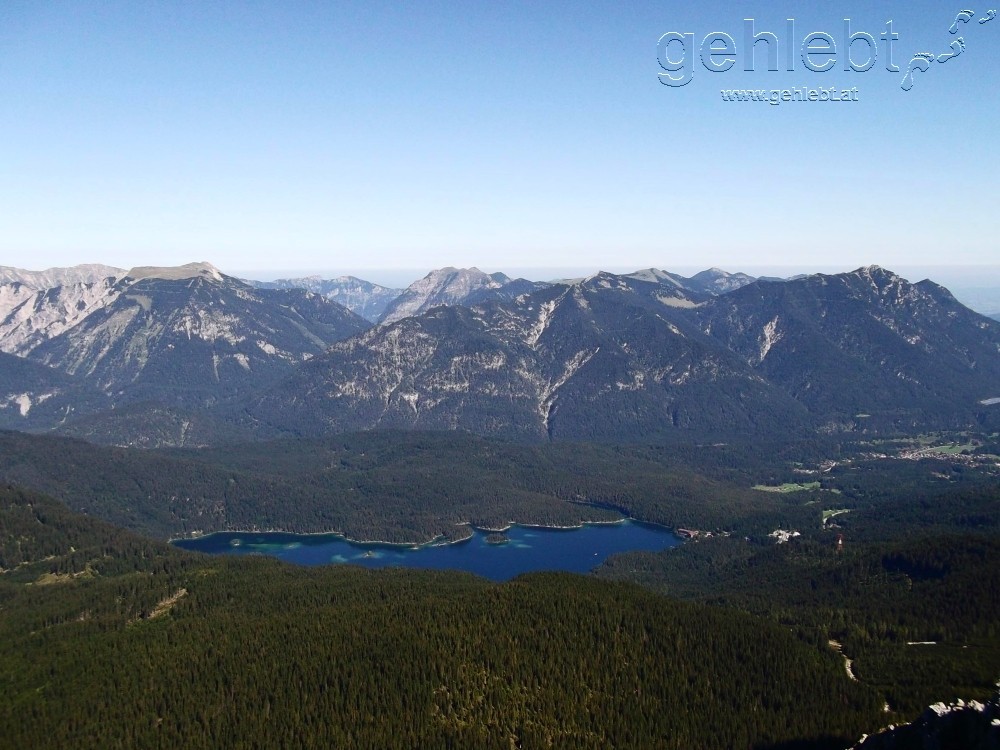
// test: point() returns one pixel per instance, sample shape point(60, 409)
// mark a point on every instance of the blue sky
point(300, 135)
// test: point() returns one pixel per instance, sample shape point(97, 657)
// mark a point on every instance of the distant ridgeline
point(188, 356)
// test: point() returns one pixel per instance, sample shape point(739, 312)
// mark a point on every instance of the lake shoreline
point(527, 548)
point(438, 541)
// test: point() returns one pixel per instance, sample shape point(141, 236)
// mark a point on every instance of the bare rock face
point(201, 270)
point(29, 317)
point(944, 726)
point(182, 336)
point(53, 277)
point(455, 286)
point(37, 305)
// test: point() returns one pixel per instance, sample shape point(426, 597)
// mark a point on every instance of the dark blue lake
point(529, 549)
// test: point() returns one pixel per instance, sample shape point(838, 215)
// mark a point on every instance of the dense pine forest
point(392, 486)
point(912, 596)
point(125, 643)
point(886, 601)
point(410, 487)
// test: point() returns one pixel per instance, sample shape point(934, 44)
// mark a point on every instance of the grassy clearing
point(47, 579)
point(924, 440)
point(787, 487)
point(953, 449)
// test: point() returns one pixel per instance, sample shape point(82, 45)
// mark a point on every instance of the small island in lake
point(497, 537)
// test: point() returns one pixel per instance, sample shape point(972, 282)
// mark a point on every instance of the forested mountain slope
point(108, 641)
point(395, 486)
point(865, 350)
point(33, 396)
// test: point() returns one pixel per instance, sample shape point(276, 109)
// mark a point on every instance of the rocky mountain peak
point(717, 281)
point(203, 270)
point(657, 276)
point(445, 286)
point(880, 277)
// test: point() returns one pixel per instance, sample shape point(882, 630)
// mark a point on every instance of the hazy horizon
point(977, 286)
point(499, 135)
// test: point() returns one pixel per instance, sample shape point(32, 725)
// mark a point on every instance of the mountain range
point(862, 346)
point(712, 282)
point(469, 286)
point(646, 355)
point(625, 357)
point(186, 336)
point(359, 296)
point(594, 360)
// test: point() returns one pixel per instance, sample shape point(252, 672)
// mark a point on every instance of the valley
point(915, 566)
point(474, 663)
point(429, 376)
point(826, 447)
